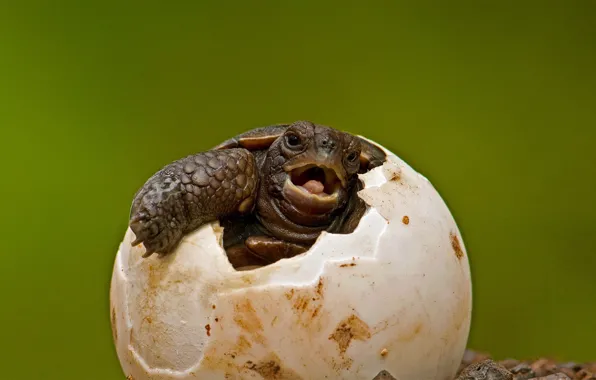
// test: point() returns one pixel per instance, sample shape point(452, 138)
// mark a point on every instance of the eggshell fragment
point(394, 295)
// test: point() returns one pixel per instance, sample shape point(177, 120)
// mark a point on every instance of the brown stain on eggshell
point(114, 326)
point(301, 303)
point(320, 287)
point(315, 312)
point(271, 368)
point(342, 364)
point(306, 304)
point(148, 309)
point(351, 328)
point(405, 220)
point(153, 278)
point(223, 357)
point(392, 173)
point(289, 294)
point(246, 317)
point(456, 245)
point(243, 344)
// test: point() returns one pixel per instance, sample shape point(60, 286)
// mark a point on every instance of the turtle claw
point(141, 231)
point(148, 252)
point(156, 237)
point(154, 234)
point(138, 217)
point(141, 239)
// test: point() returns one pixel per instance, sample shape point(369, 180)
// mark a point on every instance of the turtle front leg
point(259, 251)
point(271, 249)
point(191, 192)
point(241, 257)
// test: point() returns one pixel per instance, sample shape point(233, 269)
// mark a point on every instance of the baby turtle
point(273, 189)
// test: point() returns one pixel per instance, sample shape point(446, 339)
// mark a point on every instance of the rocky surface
point(480, 366)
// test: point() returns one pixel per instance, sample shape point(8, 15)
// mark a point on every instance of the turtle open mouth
point(315, 179)
point(312, 188)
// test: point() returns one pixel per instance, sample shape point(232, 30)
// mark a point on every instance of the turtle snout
point(326, 144)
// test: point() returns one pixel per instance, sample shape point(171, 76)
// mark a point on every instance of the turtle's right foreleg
point(190, 192)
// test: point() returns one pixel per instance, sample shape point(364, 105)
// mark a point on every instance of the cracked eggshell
point(394, 295)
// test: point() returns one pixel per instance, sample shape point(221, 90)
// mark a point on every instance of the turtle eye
point(293, 140)
point(352, 156)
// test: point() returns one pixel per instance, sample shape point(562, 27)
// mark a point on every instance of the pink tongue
point(314, 187)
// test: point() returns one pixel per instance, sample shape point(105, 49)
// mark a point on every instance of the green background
point(494, 103)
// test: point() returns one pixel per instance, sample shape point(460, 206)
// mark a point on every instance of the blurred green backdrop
point(495, 104)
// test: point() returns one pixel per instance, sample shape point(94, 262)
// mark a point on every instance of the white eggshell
point(394, 295)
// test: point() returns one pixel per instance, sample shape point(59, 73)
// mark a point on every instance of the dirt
point(479, 365)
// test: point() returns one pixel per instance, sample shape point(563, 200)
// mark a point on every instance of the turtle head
point(313, 168)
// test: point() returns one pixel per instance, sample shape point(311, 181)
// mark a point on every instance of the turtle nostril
point(328, 144)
